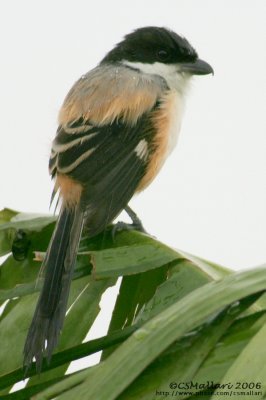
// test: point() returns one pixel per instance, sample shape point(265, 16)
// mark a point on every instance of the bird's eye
point(163, 55)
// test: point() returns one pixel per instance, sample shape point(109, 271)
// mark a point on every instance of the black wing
point(110, 161)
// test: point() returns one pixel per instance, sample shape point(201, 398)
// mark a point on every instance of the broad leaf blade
point(134, 355)
point(181, 361)
point(135, 291)
point(183, 277)
point(6, 234)
point(249, 368)
point(86, 296)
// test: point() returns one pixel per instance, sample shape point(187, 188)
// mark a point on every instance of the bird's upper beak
point(198, 67)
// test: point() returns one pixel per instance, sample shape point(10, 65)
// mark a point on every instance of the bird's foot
point(123, 226)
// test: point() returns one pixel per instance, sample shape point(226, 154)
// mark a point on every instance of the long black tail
point(59, 264)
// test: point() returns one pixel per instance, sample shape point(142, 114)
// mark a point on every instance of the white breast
point(166, 121)
point(167, 118)
point(175, 116)
point(178, 83)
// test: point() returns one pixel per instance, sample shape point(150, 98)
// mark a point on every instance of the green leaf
point(11, 221)
point(134, 252)
point(6, 234)
point(144, 295)
point(181, 361)
point(14, 326)
point(135, 291)
point(19, 291)
point(15, 273)
point(68, 355)
point(29, 391)
point(183, 277)
point(86, 296)
point(131, 259)
point(8, 307)
point(185, 329)
point(215, 271)
point(229, 348)
point(249, 369)
point(134, 355)
point(26, 221)
point(12, 334)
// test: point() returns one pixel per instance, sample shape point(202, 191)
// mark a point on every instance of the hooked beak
point(199, 67)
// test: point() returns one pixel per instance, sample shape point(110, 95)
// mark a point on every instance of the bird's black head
point(152, 44)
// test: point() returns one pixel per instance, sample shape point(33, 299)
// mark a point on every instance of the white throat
point(171, 73)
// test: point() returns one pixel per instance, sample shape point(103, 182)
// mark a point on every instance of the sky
point(209, 199)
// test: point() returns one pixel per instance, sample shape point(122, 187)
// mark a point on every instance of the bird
point(116, 127)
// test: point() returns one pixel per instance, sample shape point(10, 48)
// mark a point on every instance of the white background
point(210, 197)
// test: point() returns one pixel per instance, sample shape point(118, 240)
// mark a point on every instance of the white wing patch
point(142, 150)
